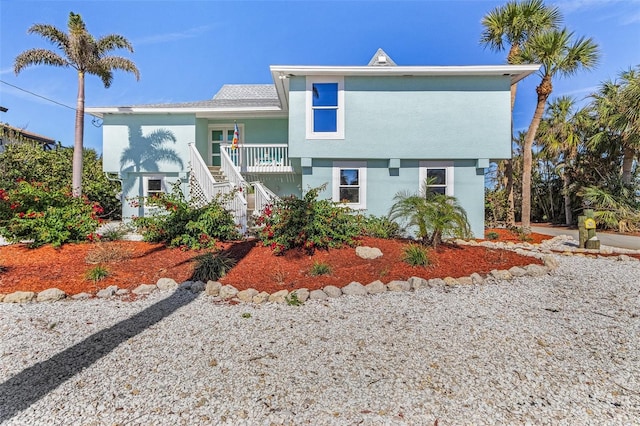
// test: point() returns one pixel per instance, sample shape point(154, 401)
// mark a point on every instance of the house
point(10, 134)
point(367, 132)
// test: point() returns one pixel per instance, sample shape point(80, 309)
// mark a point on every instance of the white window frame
point(222, 127)
point(361, 166)
point(449, 168)
point(163, 186)
point(339, 133)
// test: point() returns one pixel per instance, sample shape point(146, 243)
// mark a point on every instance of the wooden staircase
point(217, 173)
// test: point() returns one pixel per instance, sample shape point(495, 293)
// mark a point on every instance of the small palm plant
point(437, 216)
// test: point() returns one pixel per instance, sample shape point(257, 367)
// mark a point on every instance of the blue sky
point(186, 50)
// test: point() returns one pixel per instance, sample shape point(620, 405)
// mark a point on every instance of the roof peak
point(381, 59)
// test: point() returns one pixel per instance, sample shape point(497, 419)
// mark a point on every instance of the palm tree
point(560, 56)
point(617, 104)
point(84, 53)
point(509, 27)
point(436, 215)
point(561, 134)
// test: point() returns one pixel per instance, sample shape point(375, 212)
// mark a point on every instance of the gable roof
point(381, 59)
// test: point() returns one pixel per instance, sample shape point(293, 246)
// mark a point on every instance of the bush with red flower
point(34, 212)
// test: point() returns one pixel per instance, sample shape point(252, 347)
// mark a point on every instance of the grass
point(320, 268)
point(97, 273)
point(415, 255)
point(210, 266)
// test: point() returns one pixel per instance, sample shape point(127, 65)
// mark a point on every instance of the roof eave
point(101, 111)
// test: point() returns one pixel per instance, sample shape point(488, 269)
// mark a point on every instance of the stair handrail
point(201, 173)
point(263, 196)
point(230, 170)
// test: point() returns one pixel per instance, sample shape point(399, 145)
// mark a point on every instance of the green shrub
point(307, 223)
point(380, 227)
point(114, 232)
point(35, 212)
point(210, 266)
point(492, 235)
point(179, 223)
point(97, 273)
point(320, 268)
point(292, 299)
point(415, 255)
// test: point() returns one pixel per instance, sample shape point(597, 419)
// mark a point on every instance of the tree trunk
point(511, 207)
point(567, 198)
point(543, 90)
point(76, 178)
point(627, 164)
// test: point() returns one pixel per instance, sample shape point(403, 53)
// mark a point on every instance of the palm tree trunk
point(544, 90)
point(511, 207)
point(566, 180)
point(627, 164)
point(76, 178)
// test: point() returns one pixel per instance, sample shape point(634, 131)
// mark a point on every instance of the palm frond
point(38, 57)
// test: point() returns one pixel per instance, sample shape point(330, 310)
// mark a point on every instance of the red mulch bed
point(38, 269)
point(506, 235)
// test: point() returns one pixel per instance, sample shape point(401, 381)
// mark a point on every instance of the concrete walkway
point(607, 239)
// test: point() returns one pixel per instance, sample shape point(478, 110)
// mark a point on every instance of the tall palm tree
point(560, 56)
point(87, 55)
point(509, 27)
point(561, 134)
point(617, 104)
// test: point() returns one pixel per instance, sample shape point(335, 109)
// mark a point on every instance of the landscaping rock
point(19, 297)
point(436, 282)
point(476, 278)
point(122, 292)
point(51, 295)
point(213, 288)
point(354, 289)
point(144, 289)
point(534, 270)
point(397, 285)
point(81, 296)
point(166, 284)
point(465, 280)
point(197, 287)
point(107, 292)
point(551, 262)
point(318, 295)
point(332, 291)
point(517, 271)
point(368, 252)
point(1, 297)
point(279, 296)
point(228, 292)
point(247, 295)
point(624, 258)
point(418, 283)
point(376, 287)
point(450, 281)
point(501, 274)
point(302, 293)
point(261, 297)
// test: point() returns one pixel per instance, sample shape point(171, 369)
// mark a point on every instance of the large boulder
point(368, 252)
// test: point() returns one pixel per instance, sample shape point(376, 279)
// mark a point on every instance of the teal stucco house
point(367, 132)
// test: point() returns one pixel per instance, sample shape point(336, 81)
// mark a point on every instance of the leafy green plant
point(320, 268)
point(35, 212)
point(436, 216)
point(380, 227)
point(492, 235)
point(180, 223)
point(415, 255)
point(246, 315)
point(292, 299)
point(210, 266)
point(307, 223)
point(97, 273)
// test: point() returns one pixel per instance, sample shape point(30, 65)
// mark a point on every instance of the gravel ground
point(559, 349)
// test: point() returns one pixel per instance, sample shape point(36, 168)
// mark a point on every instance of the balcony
point(267, 158)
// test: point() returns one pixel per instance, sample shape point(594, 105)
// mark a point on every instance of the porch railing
point(260, 158)
point(208, 189)
point(263, 196)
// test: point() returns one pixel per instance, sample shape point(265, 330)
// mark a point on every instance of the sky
point(186, 50)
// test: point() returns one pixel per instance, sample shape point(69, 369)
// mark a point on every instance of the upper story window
point(325, 108)
point(436, 177)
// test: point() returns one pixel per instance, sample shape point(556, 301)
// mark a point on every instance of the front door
point(219, 135)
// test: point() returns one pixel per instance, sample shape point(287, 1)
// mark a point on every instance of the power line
point(39, 96)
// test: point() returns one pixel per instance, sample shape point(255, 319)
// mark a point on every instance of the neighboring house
point(367, 132)
point(10, 134)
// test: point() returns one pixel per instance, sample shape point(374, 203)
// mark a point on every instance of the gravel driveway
point(558, 349)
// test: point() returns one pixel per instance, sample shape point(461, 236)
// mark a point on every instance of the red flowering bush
point(180, 223)
point(34, 212)
point(307, 223)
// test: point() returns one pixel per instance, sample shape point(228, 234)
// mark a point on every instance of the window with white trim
point(350, 183)
point(153, 186)
point(436, 177)
point(325, 108)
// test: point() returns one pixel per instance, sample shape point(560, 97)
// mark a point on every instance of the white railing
point(211, 189)
point(263, 196)
point(260, 158)
point(230, 169)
